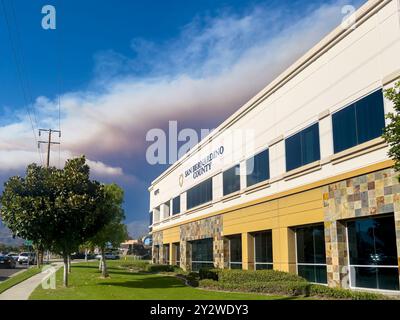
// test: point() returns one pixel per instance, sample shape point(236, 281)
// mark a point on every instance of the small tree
point(115, 231)
point(392, 130)
point(26, 208)
point(58, 209)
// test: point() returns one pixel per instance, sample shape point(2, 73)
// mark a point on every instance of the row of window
point(372, 253)
point(359, 122)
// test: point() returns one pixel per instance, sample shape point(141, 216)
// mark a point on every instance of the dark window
point(302, 148)
point(373, 253)
point(166, 253)
point(177, 253)
point(231, 180)
point(176, 205)
point(263, 250)
point(202, 193)
point(311, 258)
point(202, 254)
point(151, 218)
point(257, 168)
point(235, 252)
point(361, 121)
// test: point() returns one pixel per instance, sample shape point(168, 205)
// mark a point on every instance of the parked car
point(7, 262)
point(108, 256)
point(13, 255)
point(80, 255)
point(26, 257)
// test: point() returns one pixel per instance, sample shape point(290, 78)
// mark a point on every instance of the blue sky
point(121, 68)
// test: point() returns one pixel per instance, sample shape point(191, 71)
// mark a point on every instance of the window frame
point(366, 266)
point(353, 104)
point(223, 179)
point(268, 169)
point(310, 264)
point(173, 213)
point(236, 263)
point(300, 134)
point(200, 262)
point(255, 251)
point(197, 186)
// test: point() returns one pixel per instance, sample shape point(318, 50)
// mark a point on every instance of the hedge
point(289, 288)
point(244, 276)
point(160, 268)
point(276, 282)
point(339, 293)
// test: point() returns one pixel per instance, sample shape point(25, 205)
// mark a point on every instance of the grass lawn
point(22, 276)
point(86, 284)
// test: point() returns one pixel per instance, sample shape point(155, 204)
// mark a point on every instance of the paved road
point(6, 273)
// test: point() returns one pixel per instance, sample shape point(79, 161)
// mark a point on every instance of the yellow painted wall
point(279, 216)
point(171, 235)
point(302, 208)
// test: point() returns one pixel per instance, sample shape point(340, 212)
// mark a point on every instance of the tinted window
point(235, 251)
point(231, 178)
point(359, 122)
point(202, 254)
point(263, 250)
point(257, 168)
point(311, 258)
point(302, 148)
point(373, 253)
point(263, 246)
point(176, 205)
point(372, 241)
point(202, 193)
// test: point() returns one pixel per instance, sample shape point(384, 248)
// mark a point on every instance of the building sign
point(203, 166)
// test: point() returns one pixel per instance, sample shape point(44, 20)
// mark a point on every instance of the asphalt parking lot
point(6, 273)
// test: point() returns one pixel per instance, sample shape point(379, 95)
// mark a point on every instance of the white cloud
point(208, 72)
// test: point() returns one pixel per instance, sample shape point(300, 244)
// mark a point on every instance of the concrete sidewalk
point(23, 290)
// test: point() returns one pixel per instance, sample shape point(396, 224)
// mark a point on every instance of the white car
point(26, 257)
point(108, 256)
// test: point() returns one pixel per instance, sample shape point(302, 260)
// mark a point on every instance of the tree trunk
point(37, 258)
point(65, 278)
point(86, 252)
point(69, 264)
point(104, 271)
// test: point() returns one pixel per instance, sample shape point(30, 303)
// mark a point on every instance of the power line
point(20, 75)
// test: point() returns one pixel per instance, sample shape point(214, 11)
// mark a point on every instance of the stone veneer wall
point(202, 229)
point(367, 195)
point(158, 241)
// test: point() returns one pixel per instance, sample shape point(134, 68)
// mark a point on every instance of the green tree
point(392, 130)
point(58, 209)
point(114, 232)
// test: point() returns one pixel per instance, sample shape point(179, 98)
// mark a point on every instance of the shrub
point(192, 279)
point(137, 265)
point(290, 288)
point(242, 276)
point(209, 274)
point(339, 293)
point(160, 268)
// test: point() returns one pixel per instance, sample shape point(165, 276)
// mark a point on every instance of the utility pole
point(48, 142)
point(40, 253)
